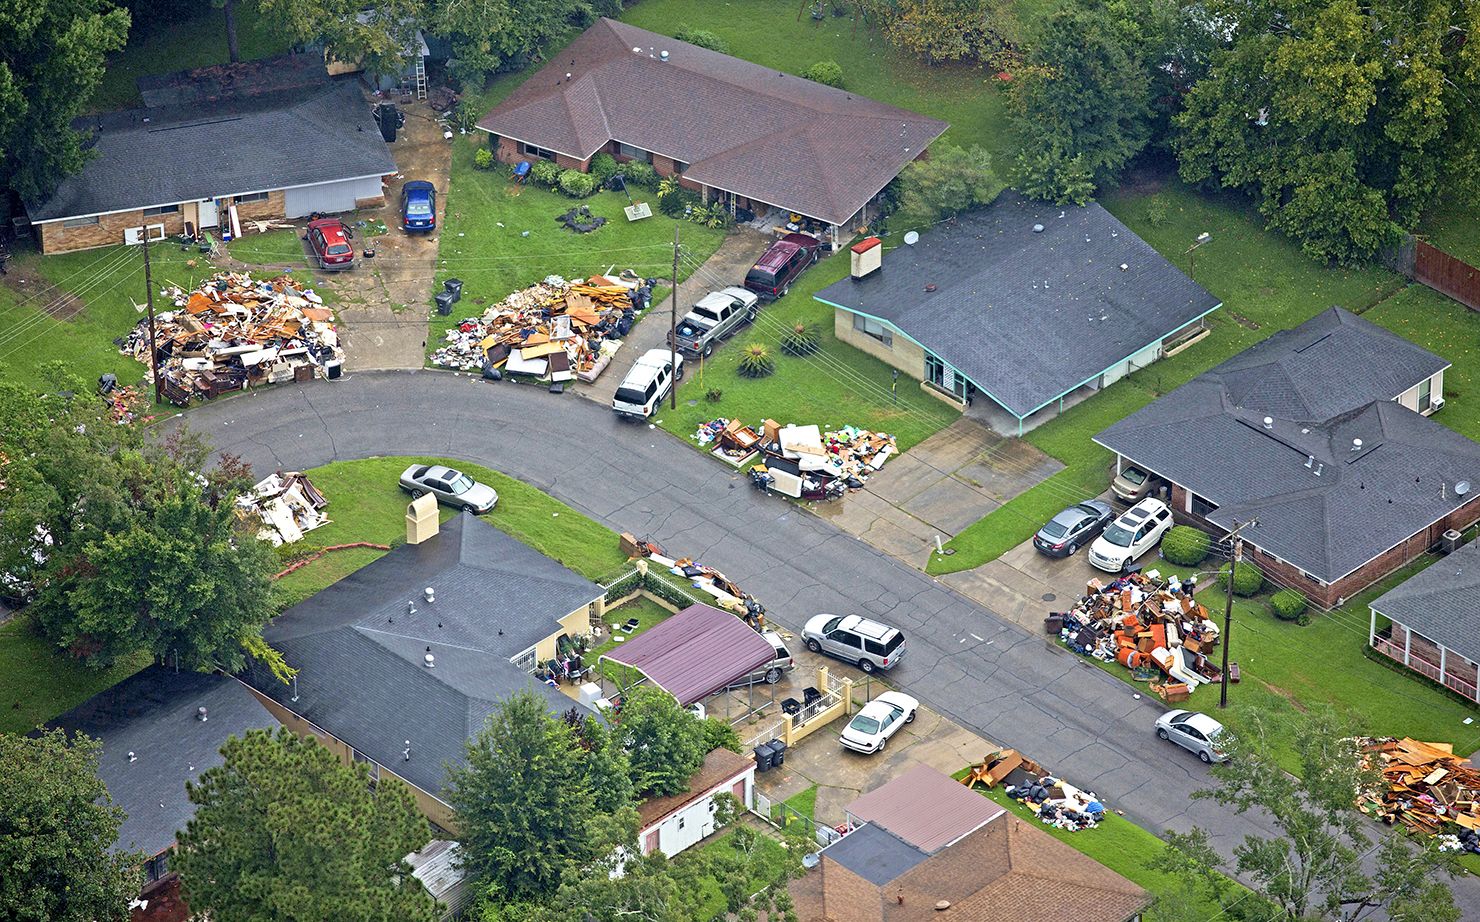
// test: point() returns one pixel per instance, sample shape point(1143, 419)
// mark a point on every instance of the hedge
point(828, 73)
point(639, 174)
point(545, 172)
point(1249, 579)
point(1287, 605)
point(703, 38)
point(577, 184)
point(1185, 546)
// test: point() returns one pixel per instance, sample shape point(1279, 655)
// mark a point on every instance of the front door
point(208, 214)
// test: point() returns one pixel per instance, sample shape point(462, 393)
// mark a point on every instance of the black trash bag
point(491, 373)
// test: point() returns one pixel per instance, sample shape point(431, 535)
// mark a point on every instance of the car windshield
point(760, 277)
point(419, 207)
point(706, 313)
point(628, 395)
point(1133, 475)
point(460, 483)
point(1118, 535)
point(864, 724)
point(338, 249)
point(1055, 529)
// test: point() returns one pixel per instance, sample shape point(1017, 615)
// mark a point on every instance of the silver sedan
point(450, 486)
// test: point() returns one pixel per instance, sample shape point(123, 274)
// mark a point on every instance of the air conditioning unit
point(1436, 404)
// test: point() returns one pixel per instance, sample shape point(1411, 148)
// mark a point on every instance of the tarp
point(695, 653)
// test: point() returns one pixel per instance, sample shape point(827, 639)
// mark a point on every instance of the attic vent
point(1269, 422)
point(200, 714)
point(429, 659)
point(1037, 228)
point(213, 121)
point(1356, 444)
point(430, 594)
point(663, 55)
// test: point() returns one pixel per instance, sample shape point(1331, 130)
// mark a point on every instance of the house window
point(680, 822)
point(254, 197)
point(1426, 395)
point(358, 756)
point(873, 328)
point(529, 150)
point(162, 209)
point(944, 377)
point(81, 222)
point(156, 867)
point(1199, 506)
point(635, 153)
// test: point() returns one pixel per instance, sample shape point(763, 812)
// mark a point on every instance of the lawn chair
point(521, 172)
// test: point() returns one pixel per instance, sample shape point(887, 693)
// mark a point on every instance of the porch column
point(1372, 627)
point(1407, 643)
point(837, 243)
point(1443, 663)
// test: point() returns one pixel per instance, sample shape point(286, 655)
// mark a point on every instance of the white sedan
point(881, 718)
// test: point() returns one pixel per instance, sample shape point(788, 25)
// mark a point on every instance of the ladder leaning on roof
point(421, 77)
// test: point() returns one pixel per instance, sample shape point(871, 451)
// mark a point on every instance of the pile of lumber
point(1426, 786)
point(995, 768)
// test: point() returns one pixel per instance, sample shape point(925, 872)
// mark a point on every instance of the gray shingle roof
point(1209, 436)
point(360, 655)
point(1442, 603)
point(185, 153)
point(153, 715)
point(762, 134)
point(1028, 316)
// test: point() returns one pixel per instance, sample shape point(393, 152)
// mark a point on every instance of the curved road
point(982, 671)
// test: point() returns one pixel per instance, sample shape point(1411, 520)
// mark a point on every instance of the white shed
point(673, 823)
point(436, 867)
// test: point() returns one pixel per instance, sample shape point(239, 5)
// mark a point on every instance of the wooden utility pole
point(149, 301)
point(673, 328)
point(1238, 556)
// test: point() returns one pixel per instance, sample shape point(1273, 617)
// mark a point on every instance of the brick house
point(1432, 622)
point(1319, 435)
point(264, 145)
point(731, 130)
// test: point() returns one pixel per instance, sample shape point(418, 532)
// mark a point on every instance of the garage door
point(329, 197)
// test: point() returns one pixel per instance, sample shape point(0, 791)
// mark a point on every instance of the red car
point(329, 239)
point(773, 273)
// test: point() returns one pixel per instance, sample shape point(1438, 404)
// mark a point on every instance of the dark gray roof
point(153, 714)
point(361, 657)
point(875, 854)
point(218, 82)
point(1026, 316)
point(1442, 603)
point(185, 153)
point(1209, 436)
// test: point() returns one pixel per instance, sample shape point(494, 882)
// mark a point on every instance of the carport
point(692, 655)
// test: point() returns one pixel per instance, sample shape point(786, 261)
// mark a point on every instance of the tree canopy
point(942, 31)
point(283, 830)
point(949, 181)
point(378, 41)
point(57, 829)
point(492, 36)
point(664, 741)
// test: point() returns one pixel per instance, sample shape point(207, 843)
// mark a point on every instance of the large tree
point(283, 830)
point(1344, 120)
point(941, 31)
point(57, 829)
point(949, 181)
point(52, 56)
point(378, 41)
point(491, 36)
point(664, 741)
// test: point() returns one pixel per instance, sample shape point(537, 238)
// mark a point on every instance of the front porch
point(1427, 658)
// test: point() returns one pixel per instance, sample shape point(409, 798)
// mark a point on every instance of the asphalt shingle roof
point(361, 653)
point(1442, 603)
point(751, 130)
point(153, 714)
point(200, 150)
point(1026, 316)
point(1323, 385)
point(925, 808)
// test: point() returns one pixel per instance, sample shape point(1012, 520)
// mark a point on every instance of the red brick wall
point(571, 163)
point(507, 151)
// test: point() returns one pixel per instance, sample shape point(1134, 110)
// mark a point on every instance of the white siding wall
point(688, 826)
point(1409, 398)
point(329, 197)
point(1136, 362)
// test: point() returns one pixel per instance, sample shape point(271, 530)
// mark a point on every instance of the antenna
point(911, 238)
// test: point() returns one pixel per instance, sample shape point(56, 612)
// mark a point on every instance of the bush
point(545, 172)
point(603, 167)
point(703, 38)
point(483, 159)
point(828, 73)
point(714, 395)
point(577, 184)
point(1157, 211)
point(1185, 546)
point(951, 180)
point(674, 200)
point(1250, 579)
point(1287, 605)
point(800, 340)
point(639, 174)
point(715, 214)
point(756, 362)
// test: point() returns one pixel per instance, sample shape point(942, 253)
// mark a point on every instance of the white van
point(647, 383)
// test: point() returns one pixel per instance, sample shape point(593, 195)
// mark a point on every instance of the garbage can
point(778, 753)
point(454, 288)
point(764, 757)
point(389, 118)
point(444, 302)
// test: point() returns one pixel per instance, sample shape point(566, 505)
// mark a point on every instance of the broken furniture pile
point(1429, 789)
point(285, 505)
point(234, 331)
point(802, 462)
point(726, 593)
point(554, 330)
point(1149, 627)
point(1055, 802)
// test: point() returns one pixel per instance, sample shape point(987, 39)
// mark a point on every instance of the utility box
point(867, 257)
point(422, 523)
point(1449, 541)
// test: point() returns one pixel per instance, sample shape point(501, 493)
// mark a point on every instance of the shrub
point(951, 180)
point(715, 214)
point(483, 159)
point(828, 73)
point(465, 117)
point(703, 38)
point(714, 395)
point(1157, 211)
point(800, 340)
point(756, 362)
point(1185, 546)
point(603, 166)
point(639, 174)
point(1249, 579)
point(674, 200)
point(577, 184)
point(545, 172)
point(1288, 605)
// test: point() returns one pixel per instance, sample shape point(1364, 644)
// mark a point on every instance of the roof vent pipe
point(430, 660)
point(1319, 468)
point(200, 712)
point(1269, 422)
point(430, 594)
point(132, 757)
point(663, 55)
point(1310, 461)
point(1356, 444)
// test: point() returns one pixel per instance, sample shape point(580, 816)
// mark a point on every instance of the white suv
point(1133, 534)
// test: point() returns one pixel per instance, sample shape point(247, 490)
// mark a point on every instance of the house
point(403, 660)
point(931, 853)
point(1433, 622)
point(1317, 436)
point(695, 653)
point(159, 729)
point(1028, 304)
point(256, 141)
point(736, 132)
point(412, 73)
point(673, 823)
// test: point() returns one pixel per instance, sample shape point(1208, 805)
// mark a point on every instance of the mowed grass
point(1451, 331)
point(645, 610)
point(836, 386)
point(1453, 225)
point(38, 681)
point(1266, 285)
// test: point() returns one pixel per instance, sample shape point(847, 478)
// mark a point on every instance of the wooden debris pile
point(802, 462)
point(234, 331)
point(1427, 788)
point(284, 506)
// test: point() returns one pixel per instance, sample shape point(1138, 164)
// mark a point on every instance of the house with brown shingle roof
point(1004, 868)
point(734, 131)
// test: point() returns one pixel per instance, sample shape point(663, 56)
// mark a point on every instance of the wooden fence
point(1431, 266)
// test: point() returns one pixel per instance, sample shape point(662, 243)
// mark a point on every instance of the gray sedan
point(450, 486)
point(1073, 528)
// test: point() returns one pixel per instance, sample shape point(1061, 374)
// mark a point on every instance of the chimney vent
point(430, 594)
point(1269, 422)
point(200, 713)
point(867, 256)
point(422, 523)
point(1356, 444)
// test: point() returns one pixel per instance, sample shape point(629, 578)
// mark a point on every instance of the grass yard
point(39, 682)
point(803, 802)
point(770, 862)
point(1454, 227)
point(837, 386)
point(645, 610)
point(1266, 285)
point(1451, 331)
point(275, 248)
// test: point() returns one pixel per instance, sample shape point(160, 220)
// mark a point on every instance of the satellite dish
point(912, 237)
point(1461, 488)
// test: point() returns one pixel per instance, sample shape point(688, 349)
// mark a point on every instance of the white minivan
point(647, 383)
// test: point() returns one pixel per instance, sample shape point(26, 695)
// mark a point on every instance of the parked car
point(1073, 528)
point(867, 644)
point(875, 722)
point(647, 383)
point(1132, 483)
point(1133, 534)
point(772, 672)
point(329, 241)
point(779, 266)
point(1194, 732)
point(451, 487)
point(418, 207)
point(716, 316)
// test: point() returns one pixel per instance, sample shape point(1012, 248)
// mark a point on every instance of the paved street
point(984, 672)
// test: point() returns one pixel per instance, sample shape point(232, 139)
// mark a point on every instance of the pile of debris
point(285, 505)
point(233, 331)
point(726, 593)
point(1053, 800)
point(802, 462)
point(1428, 788)
point(555, 330)
point(1150, 627)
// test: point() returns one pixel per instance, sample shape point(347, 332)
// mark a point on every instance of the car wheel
point(814, 646)
point(750, 317)
point(1207, 759)
point(1073, 549)
point(910, 717)
point(1163, 734)
point(418, 494)
point(785, 291)
point(867, 665)
point(679, 375)
point(708, 350)
point(882, 744)
point(773, 675)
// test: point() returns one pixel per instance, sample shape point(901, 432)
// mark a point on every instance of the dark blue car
point(418, 206)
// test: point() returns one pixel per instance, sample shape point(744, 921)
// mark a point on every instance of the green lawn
point(1454, 227)
point(1265, 283)
point(837, 386)
point(38, 681)
point(645, 610)
point(804, 802)
point(273, 248)
point(770, 862)
point(1451, 331)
